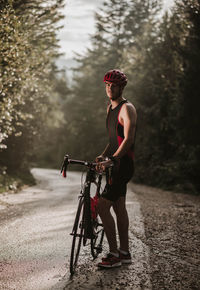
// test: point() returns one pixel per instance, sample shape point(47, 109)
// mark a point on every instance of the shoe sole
point(110, 266)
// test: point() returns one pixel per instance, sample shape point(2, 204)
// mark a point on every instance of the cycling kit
point(124, 172)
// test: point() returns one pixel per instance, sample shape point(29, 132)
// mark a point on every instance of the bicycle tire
point(97, 240)
point(77, 233)
point(88, 228)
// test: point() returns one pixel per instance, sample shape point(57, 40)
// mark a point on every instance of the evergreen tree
point(161, 60)
point(187, 14)
point(86, 111)
point(112, 48)
point(170, 158)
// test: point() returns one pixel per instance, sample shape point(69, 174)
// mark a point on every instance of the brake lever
point(64, 166)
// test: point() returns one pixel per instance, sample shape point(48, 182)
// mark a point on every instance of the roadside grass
point(14, 182)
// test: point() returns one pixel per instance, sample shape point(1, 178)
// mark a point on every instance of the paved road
point(35, 241)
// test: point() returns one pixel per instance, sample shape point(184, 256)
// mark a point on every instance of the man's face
point(113, 90)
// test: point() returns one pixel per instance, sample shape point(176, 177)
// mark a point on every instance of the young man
point(121, 124)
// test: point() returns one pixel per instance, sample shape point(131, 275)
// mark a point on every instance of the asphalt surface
point(35, 241)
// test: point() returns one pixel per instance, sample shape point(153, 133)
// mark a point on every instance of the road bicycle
point(87, 225)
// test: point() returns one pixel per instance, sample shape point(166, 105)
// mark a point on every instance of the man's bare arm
point(128, 117)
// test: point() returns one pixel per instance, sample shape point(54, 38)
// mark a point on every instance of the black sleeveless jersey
point(116, 130)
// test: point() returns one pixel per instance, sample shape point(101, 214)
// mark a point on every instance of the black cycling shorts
point(120, 179)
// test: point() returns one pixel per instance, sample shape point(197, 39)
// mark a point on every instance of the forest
point(42, 116)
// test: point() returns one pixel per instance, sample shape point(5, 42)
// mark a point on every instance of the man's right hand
point(100, 158)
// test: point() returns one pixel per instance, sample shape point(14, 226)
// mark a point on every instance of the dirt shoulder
point(172, 228)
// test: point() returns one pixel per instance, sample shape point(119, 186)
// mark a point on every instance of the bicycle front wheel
point(77, 233)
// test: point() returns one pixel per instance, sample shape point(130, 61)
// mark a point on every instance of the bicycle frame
point(86, 225)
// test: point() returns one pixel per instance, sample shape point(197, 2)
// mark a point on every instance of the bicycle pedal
point(99, 251)
point(99, 248)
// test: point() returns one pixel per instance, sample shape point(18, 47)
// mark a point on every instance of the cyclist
point(121, 125)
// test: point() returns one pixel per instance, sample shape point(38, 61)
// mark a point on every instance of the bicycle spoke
point(97, 241)
point(77, 237)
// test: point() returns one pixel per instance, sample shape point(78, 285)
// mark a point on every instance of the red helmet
point(116, 76)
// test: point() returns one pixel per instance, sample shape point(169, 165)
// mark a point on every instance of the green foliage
point(161, 59)
point(51, 146)
point(28, 50)
point(14, 182)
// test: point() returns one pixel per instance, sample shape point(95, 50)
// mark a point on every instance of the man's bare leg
point(122, 223)
point(104, 206)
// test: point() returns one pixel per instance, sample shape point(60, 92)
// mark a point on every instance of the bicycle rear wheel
point(77, 233)
point(97, 240)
